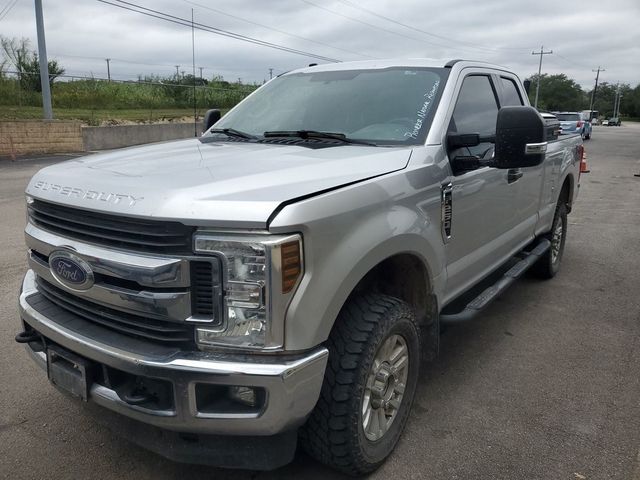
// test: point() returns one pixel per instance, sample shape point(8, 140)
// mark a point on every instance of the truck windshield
point(388, 106)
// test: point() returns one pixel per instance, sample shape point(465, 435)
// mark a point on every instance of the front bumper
point(291, 383)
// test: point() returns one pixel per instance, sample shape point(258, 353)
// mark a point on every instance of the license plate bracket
point(69, 372)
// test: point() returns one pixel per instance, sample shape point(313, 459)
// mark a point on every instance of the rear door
point(528, 187)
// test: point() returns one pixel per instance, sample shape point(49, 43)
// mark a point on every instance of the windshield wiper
point(232, 132)
point(304, 134)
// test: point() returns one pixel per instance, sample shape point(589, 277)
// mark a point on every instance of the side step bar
point(479, 303)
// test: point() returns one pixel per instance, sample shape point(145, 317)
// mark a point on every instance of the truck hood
point(225, 184)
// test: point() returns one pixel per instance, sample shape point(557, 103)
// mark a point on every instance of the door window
point(476, 111)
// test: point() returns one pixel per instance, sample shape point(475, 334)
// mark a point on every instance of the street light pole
point(108, 69)
point(541, 53)
point(44, 64)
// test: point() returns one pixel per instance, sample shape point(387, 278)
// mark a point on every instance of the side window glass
point(510, 93)
point(476, 109)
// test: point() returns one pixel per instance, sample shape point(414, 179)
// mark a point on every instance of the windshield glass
point(383, 106)
point(568, 117)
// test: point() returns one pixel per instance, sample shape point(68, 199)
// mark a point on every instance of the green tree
point(26, 63)
point(557, 93)
point(606, 97)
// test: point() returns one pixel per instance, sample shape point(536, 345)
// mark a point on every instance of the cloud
point(82, 33)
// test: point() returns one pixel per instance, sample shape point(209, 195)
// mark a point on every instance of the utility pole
point(270, 73)
point(616, 101)
point(541, 53)
point(177, 72)
point(593, 94)
point(193, 64)
point(44, 64)
point(108, 69)
point(201, 68)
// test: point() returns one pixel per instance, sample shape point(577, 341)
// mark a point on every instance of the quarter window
point(510, 93)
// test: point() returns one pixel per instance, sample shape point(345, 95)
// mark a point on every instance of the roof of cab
point(394, 62)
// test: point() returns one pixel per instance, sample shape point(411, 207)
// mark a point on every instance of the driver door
point(483, 203)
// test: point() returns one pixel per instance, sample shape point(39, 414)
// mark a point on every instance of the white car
point(605, 123)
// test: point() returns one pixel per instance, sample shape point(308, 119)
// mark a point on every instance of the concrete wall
point(39, 136)
point(23, 137)
point(105, 138)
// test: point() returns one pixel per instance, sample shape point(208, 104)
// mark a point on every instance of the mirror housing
point(210, 118)
point(527, 86)
point(520, 138)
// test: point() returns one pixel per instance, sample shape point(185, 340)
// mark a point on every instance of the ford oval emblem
point(70, 270)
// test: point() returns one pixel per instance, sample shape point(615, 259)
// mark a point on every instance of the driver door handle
point(514, 174)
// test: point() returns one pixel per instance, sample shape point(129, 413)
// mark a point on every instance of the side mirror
point(210, 118)
point(520, 138)
point(527, 85)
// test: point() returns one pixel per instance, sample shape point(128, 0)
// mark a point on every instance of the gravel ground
point(544, 385)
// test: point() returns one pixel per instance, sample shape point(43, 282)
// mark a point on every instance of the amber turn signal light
point(291, 265)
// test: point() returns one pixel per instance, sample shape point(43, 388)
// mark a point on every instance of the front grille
point(112, 230)
point(157, 331)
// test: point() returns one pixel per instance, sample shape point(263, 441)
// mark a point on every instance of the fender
point(347, 233)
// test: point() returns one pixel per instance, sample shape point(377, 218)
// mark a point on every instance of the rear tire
point(369, 385)
point(549, 264)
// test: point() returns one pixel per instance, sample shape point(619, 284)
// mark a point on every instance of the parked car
point(605, 122)
point(614, 122)
point(574, 122)
point(283, 276)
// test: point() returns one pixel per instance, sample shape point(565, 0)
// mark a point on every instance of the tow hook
point(27, 337)
point(136, 396)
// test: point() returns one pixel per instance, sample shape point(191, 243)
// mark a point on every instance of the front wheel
point(549, 264)
point(370, 381)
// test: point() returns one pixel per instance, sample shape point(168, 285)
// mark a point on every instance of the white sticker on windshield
point(422, 112)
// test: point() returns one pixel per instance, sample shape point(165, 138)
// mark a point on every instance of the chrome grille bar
point(112, 230)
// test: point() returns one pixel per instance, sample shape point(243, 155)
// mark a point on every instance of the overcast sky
point(583, 35)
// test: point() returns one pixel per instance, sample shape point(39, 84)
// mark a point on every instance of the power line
point(441, 37)
point(581, 65)
point(275, 29)
point(207, 28)
point(5, 11)
point(370, 24)
point(376, 27)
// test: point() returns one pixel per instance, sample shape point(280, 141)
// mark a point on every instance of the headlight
point(260, 274)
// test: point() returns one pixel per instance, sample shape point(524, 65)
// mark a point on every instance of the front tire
point(549, 264)
point(369, 385)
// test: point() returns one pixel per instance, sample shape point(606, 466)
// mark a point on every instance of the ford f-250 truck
point(281, 278)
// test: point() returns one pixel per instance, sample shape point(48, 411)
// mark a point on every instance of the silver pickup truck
point(280, 279)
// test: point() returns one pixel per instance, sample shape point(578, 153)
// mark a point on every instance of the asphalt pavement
point(543, 385)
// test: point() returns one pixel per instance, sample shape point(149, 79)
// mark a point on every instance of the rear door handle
point(513, 175)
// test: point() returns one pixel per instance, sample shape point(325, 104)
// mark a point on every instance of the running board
point(479, 303)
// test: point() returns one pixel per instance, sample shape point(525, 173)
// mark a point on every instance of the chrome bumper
point(292, 383)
